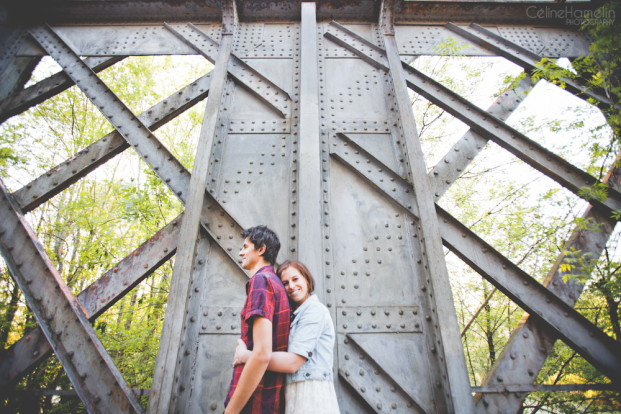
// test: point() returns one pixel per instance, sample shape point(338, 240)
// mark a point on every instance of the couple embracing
point(283, 361)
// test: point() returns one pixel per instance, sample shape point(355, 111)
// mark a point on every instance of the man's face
point(249, 255)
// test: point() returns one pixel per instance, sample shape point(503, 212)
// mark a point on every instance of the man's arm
point(285, 362)
point(255, 366)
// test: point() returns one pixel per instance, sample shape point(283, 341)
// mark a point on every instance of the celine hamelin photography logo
point(573, 16)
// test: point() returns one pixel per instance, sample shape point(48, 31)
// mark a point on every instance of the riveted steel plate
point(334, 51)
point(262, 40)
point(220, 320)
point(564, 43)
point(243, 126)
point(433, 40)
point(376, 319)
point(353, 91)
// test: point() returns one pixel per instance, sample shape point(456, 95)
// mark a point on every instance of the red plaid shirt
point(266, 297)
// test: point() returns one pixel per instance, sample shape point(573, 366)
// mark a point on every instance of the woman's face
point(295, 284)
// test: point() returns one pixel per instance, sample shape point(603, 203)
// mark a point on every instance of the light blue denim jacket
point(312, 336)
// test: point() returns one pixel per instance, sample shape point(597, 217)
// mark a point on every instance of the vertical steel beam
point(172, 332)
point(458, 384)
point(529, 151)
point(90, 369)
point(309, 178)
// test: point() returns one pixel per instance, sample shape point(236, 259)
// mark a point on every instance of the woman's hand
point(241, 353)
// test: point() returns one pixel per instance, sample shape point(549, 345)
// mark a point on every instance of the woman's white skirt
point(311, 397)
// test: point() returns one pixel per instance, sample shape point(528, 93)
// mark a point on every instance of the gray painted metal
point(483, 122)
point(94, 300)
point(63, 175)
point(568, 324)
point(292, 148)
point(458, 384)
point(87, 364)
point(530, 343)
point(519, 55)
point(33, 95)
point(168, 388)
point(412, 40)
point(310, 242)
point(14, 70)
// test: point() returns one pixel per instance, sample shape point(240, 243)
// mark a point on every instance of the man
point(264, 328)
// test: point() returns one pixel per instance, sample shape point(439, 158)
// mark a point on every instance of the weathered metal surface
point(529, 345)
point(94, 300)
point(65, 324)
point(292, 149)
point(263, 88)
point(107, 11)
point(457, 387)
point(167, 391)
point(133, 129)
point(567, 323)
point(34, 95)
point(532, 13)
point(538, 157)
point(520, 56)
point(14, 70)
point(63, 175)
point(258, 39)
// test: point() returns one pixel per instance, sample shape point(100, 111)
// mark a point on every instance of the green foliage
point(528, 219)
point(96, 222)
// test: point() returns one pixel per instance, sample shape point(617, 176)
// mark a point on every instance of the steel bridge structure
point(308, 127)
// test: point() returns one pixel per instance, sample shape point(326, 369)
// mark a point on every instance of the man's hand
point(256, 365)
point(241, 353)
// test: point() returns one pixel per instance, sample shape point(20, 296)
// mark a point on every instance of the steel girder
point(213, 217)
point(408, 11)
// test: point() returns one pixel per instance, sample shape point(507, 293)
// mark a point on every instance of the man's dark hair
point(263, 236)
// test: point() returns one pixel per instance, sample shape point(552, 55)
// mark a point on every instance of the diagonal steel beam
point(134, 130)
point(138, 135)
point(90, 369)
point(255, 82)
point(485, 124)
point(95, 299)
point(166, 386)
point(102, 294)
point(63, 175)
point(45, 89)
point(457, 386)
point(520, 56)
point(457, 159)
point(588, 340)
point(530, 343)
point(374, 377)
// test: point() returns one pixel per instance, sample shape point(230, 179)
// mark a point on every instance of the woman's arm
point(285, 362)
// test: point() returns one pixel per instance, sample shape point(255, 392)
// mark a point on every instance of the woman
point(308, 361)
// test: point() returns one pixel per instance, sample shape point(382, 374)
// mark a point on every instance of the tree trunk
point(613, 312)
point(7, 319)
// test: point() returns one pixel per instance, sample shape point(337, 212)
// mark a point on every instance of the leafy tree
point(96, 222)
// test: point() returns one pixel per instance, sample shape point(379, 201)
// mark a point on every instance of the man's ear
point(261, 250)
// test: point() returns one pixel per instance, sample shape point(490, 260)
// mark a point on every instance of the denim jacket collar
point(305, 304)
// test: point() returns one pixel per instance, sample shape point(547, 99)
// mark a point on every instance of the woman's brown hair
point(302, 269)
